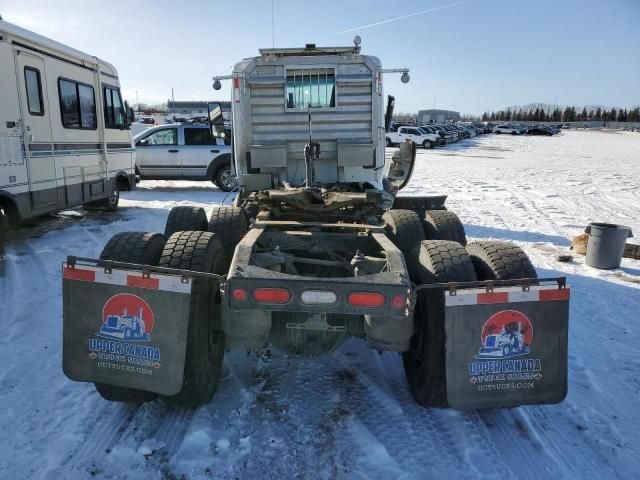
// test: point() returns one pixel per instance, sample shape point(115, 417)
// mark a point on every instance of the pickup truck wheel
point(131, 247)
point(427, 144)
point(230, 225)
point(201, 252)
point(498, 132)
point(443, 225)
point(437, 261)
point(224, 179)
point(404, 228)
point(500, 261)
point(186, 218)
point(514, 133)
point(388, 142)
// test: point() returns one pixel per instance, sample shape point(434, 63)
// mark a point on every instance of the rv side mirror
point(128, 114)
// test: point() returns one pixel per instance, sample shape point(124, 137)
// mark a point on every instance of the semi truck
point(317, 247)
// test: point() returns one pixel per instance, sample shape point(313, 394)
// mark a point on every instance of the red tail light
point(399, 301)
point(271, 295)
point(365, 299)
point(239, 294)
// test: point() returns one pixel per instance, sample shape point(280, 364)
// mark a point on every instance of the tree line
point(569, 114)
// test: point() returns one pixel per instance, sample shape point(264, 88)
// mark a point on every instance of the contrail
point(404, 16)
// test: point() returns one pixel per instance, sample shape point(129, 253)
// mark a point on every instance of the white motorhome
point(64, 130)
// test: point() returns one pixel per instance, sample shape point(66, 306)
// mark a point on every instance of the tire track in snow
point(415, 443)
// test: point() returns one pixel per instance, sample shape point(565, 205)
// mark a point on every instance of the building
point(438, 116)
point(191, 107)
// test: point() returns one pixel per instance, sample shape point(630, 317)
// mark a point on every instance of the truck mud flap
point(125, 328)
point(507, 346)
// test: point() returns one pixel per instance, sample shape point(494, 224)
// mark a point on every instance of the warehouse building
point(438, 116)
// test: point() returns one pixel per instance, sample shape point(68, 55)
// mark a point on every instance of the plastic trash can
point(606, 244)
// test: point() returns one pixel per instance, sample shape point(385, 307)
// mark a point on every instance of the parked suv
point(184, 152)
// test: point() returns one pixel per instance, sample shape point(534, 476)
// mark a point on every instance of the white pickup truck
point(427, 140)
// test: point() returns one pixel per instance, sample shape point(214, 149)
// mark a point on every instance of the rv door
point(34, 105)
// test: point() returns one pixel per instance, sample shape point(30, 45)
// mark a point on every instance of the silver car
point(184, 152)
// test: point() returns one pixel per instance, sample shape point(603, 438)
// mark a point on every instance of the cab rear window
point(198, 136)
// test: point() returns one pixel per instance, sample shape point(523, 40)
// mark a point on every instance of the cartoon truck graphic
point(507, 343)
point(124, 326)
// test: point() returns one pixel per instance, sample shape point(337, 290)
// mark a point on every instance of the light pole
point(137, 102)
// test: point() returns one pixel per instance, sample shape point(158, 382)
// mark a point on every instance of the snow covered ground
point(349, 415)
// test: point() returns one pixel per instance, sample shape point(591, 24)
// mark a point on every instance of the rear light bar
point(365, 299)
point(271, 295)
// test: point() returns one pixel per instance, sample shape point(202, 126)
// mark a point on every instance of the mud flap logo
point(505, 335)
point(122, 341)
point(126, 316)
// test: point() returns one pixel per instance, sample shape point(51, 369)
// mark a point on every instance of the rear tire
point(443, 225)
point(201, 252)
point(438, 261)
point(404, 229)
point(131, 247)
point(500, 261)
point(388, 142)
point(186, 219)
point(514, 133)
point(230, 225)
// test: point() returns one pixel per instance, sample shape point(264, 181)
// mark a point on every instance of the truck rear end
point(317, 248)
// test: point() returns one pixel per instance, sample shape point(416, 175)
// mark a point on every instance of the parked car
point(449, 137)
point(427, 140)
point(184, 152)
point(507, 129)
point(539, 131)
point(147, 120)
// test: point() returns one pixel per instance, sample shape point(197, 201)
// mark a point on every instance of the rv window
point(198, 136)
point(310, 86)
point(34, 91)
point(77, 105)
point(113, 111)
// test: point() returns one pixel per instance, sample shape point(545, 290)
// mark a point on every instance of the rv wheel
point(202, 252)
point(109, 204)
point(131, 247)
point(438, 261)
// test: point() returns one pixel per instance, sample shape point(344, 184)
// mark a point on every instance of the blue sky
point(474, 56)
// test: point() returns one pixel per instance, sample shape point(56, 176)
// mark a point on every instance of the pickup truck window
point(310, 86)
point(166, 136)
point(198, 136)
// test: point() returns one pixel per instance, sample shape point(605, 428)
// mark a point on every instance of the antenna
point(273, 34)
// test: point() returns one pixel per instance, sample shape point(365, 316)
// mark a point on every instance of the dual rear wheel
point(436, 251)
point(190, 242)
